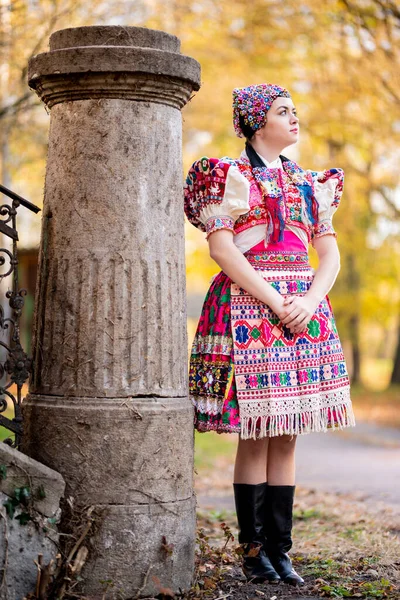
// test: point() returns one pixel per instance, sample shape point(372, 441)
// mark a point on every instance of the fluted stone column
point(108, 405)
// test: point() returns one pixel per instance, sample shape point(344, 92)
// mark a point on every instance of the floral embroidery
point(217, 223)
point(276, 198)
point(323, 228)
point(242, 334)
point(205, 184)
point(253, 102)
point(278, 257)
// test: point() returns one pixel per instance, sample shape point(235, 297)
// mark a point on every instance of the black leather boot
point(278, 521)
point(250, 510)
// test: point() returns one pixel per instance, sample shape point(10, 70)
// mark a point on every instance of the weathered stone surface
point(108, 405)
point(130, 548)
point(115, 451)
point(20, 545)
point(112, 257)
point(136, 86)
point(24, 471)
point(132, 63)
point(103, 35)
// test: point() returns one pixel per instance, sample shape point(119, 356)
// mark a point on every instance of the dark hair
point(253, 157)
point(247, 131)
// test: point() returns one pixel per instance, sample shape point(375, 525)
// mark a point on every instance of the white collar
point(275, 164)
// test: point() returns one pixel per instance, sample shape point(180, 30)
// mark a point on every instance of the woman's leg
point(279, 506)
point(251, 461)
point(281, 460)
point(250, 488)
point(268, 459)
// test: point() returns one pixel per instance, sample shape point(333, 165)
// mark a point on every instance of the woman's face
point(282, 126)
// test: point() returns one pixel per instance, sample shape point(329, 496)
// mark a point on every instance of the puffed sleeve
point(328, 190)
point(216, 194)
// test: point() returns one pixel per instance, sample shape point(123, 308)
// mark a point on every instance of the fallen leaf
point(209, 584)
point(254, 551)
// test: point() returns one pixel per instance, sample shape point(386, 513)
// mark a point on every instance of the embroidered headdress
point(252, 104)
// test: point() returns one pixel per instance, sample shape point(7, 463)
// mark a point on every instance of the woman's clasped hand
point(296, 312)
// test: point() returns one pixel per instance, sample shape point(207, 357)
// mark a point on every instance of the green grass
point(210, 445)
point(6, 433)
point(304, 514)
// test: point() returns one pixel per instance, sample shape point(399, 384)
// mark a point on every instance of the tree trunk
point(395, 378)
point(354, 319)
point(354, 330)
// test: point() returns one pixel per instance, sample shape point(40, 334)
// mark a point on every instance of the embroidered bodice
point(257, 203)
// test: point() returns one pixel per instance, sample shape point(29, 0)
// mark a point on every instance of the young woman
point(266, 361)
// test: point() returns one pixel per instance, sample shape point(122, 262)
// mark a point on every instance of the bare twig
point(389, 201)
point(132, 409)
point(82, 536)
point(146, 577)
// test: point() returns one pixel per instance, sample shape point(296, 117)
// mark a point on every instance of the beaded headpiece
point(253, 103)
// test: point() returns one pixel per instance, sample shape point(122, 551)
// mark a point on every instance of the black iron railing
point(15, 369)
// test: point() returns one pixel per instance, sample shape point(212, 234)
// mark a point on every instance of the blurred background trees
point(341, 62)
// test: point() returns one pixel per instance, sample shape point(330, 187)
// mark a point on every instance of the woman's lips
point(294, 131)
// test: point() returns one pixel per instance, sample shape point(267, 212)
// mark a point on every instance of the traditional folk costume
point(248, 373)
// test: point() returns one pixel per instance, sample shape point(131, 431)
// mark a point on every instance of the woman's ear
point(259, 132)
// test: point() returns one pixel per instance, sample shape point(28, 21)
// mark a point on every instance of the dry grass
point(342, 548)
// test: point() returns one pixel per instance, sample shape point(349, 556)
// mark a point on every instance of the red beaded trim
point(289, 259)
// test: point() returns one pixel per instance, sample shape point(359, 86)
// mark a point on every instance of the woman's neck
point(266, 151)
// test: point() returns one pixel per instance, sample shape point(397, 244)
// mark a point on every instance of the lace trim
point(306, 421)
point(276, 406)
point(212, 344)
point(271, 423)
point(207, 404)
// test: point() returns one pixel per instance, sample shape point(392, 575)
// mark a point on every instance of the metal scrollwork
point(3, 261)
point(15, 369)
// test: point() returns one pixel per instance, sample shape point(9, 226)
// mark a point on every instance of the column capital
point(129, 63)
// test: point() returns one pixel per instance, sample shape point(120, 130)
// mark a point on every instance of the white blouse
point(236, 203)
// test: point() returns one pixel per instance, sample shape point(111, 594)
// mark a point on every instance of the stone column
point(108, 405)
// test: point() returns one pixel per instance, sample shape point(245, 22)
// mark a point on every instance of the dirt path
point(363, 461)
point(347, 518)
